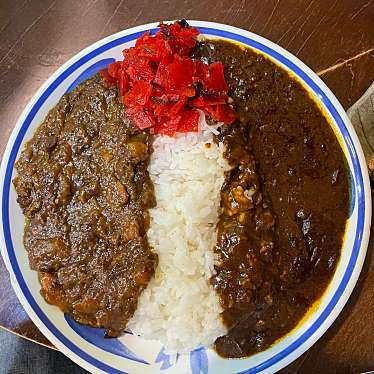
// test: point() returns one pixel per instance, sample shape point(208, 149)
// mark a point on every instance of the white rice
point(179, 307)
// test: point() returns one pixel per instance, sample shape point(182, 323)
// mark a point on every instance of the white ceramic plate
point(86, 346)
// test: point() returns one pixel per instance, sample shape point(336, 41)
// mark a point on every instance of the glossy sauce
point(285, 203)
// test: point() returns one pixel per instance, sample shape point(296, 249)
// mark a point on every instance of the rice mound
point(179, 307)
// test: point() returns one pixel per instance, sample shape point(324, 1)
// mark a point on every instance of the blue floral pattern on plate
point(166, 359)
point(96, 336)
point(199, 361)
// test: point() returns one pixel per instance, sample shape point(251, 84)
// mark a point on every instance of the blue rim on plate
point(357, 187)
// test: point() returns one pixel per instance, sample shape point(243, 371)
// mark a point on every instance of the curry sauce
point(85, 190)
point(284, 203)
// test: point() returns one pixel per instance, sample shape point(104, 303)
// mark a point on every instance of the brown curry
point(84, 188)
point(285, 203)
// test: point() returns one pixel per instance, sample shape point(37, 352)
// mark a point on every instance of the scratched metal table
point(334, 37)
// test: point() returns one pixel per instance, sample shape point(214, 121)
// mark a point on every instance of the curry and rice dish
point(193, 192)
